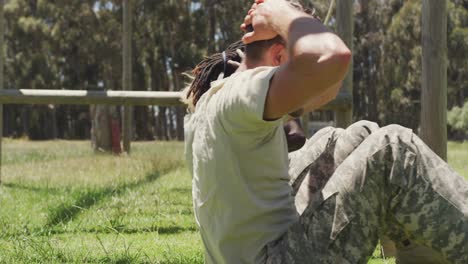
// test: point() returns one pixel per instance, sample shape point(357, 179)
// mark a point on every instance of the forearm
point(305, 34)
point(318, 59)
point(313, 48)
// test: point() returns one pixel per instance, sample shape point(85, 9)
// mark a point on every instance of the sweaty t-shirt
point(241, 196)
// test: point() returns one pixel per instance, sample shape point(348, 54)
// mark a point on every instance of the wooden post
point(434, 76)
point(345, 28)
point(127, 72)
point(1, 136)
point(2, 30)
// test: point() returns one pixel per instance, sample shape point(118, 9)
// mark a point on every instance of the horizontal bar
point(77, 97)
point(81, 97)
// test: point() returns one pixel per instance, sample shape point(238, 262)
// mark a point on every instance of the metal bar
point(81, 97)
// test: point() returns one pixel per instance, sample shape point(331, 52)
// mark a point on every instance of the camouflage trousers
point(353, 186)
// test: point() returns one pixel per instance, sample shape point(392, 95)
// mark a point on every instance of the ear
point(277, 53)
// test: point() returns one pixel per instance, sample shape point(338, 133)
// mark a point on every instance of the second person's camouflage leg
point(312, 166)
point(391, 184)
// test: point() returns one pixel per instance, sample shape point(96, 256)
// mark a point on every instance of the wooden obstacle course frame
point(343, 102)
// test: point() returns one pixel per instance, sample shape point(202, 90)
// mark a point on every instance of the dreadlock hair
point(210, 68)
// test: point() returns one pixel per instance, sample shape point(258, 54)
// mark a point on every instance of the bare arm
point(318, 59)
point(316, 102)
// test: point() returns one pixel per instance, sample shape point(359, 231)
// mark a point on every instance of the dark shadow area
point(319, 171)
point(156, 229)
point(65, 212)
point(181, 190)
point(45, 189)
point(105, 230)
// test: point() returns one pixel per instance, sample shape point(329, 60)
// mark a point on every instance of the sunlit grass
point(60, 202)
point(458, 157)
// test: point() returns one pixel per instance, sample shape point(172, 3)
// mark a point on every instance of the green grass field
point(60, 202)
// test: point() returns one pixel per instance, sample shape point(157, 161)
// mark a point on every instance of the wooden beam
point(127, 73)
point(80, 97)
point(2, 59)
point(345, 29)
point(434, 76)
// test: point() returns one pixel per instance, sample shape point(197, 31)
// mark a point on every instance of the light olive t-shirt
point(241, 196)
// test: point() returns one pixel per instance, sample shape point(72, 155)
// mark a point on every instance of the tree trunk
point(7, 121)
point(212, 27)
point(153, 122)
point(171, 129)
point(180, 112)
point(372, 97)
point(162, 123)
point(158, 125)
point(25, 114)
point(165, 112)
point(70, 127)
point(141, 115)
point(461, 97)
point(142, 123)
point(53, 120)
point(101, 134)
point(102, 118)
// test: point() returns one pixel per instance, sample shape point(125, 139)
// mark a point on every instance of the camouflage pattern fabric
point(353, 186)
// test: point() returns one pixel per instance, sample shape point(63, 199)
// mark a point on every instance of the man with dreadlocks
point(331, 200)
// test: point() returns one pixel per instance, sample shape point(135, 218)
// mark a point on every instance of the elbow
point(338, 54)
point(343, 57)
point(341, 60)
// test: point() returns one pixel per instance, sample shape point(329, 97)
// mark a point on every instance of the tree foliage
point(457, 118)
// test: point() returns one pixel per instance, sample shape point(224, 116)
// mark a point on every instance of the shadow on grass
point(46, 189)
point(166, 230)
point(181, 190)
point(85, 199)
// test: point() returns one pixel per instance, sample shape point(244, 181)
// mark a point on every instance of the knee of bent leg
point(396, 132)
point(365, 124)
point(325, 132)
point(362, 129)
